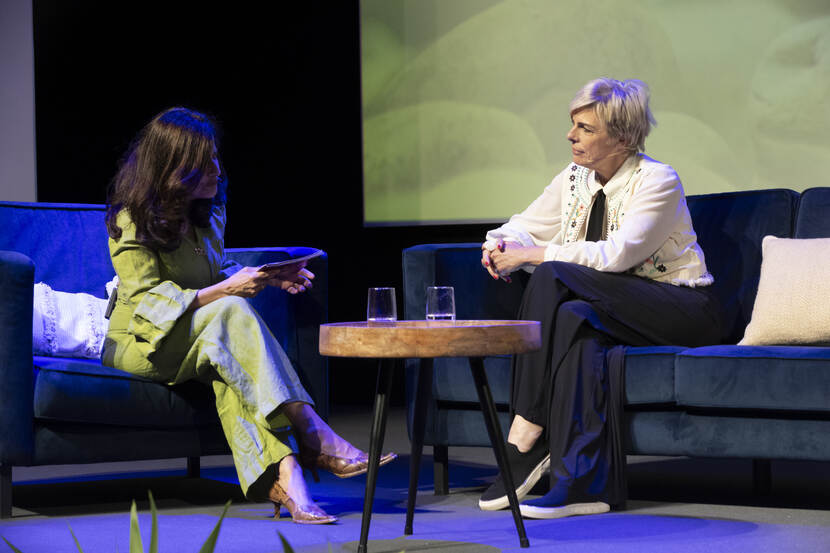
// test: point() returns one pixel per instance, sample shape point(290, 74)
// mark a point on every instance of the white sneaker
point(530, 466)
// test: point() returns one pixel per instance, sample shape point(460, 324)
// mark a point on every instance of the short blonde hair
point(622, 106)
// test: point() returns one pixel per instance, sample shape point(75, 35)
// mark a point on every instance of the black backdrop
point(283, 81)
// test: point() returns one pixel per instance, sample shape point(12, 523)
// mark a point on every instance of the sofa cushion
point(85, 391)
point(730, 228)
point(792, 306)
point(66, 242)
point(786, 378)
point(649, 374)
point(67, 325)
point(649, 377)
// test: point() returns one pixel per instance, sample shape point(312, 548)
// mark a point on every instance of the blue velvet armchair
point(66, 410)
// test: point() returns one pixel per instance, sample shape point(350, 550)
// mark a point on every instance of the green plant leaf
point(16, 550)
point(136, 545)
point(210, 543)
point(77, 544)
point(286, 547)
point(154, 531)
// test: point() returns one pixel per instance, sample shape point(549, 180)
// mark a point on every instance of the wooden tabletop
point(402, 339)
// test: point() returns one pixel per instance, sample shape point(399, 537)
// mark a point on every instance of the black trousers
point(573, 386)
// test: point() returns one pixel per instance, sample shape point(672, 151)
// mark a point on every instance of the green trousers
point(228, 346)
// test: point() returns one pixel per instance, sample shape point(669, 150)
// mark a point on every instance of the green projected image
point(465, 102)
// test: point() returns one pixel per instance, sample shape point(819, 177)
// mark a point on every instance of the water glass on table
point(381, 305)
point(440, 303)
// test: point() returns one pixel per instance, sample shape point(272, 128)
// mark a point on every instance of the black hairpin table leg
point(422, 395)
point(384, 388)
point(494, 430)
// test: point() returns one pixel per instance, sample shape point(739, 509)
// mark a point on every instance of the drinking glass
point(440, 303)
point(381, 305)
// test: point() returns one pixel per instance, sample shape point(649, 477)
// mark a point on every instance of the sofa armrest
point(477, 294)
point(17, 273)
point(295, 319)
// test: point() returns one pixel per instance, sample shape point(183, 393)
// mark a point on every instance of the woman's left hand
point(294, 281)
point(510, 256)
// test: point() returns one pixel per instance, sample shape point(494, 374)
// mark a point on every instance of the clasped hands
point(507, 257)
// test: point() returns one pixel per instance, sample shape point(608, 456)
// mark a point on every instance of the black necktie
point(597, 219)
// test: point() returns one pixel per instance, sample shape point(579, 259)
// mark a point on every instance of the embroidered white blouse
point(648, 229)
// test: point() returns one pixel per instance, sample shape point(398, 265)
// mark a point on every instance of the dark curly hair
point(158, 174)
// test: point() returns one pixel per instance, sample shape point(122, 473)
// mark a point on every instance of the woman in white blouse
point(615, 261)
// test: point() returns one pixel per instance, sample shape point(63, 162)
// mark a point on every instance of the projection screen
point(465, 102)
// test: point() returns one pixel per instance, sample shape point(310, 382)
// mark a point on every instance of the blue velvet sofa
point(56, 410)
point(753, 402)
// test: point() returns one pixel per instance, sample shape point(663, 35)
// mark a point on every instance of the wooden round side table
point(426, 340)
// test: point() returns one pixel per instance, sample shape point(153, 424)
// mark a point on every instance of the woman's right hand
point(246, 282)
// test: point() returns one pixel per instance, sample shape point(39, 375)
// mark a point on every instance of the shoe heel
point(301, 514)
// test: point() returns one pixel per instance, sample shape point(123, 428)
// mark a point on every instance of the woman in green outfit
point(181, 313)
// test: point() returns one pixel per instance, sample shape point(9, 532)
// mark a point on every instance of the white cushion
point(67, 325)
point(793, 301)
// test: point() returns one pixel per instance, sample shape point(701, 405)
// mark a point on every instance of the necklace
point(192, 236)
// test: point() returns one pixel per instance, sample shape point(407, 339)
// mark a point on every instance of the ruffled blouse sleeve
point(156, 303)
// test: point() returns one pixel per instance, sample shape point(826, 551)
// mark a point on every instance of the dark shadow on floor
point(99, 496)
point(795, 484)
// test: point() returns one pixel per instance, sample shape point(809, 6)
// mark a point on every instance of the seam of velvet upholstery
point(810, 221)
